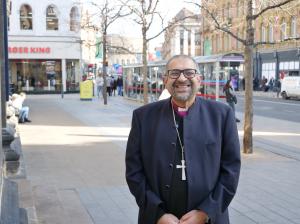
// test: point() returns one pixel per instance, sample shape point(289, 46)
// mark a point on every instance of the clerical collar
point(181, 112)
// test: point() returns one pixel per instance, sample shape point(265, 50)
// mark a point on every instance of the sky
point(168, 9)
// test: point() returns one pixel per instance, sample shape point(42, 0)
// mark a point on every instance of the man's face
point(182, 89)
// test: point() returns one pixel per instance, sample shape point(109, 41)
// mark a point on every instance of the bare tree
point(146, 13)
point(106, 13)
point(254, 10)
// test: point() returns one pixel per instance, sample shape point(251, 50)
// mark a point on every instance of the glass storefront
point(42, 75)
point(35, 75)
point(72, 82)
point(133, 87)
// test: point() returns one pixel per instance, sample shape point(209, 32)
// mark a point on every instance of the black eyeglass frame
point(182, 71)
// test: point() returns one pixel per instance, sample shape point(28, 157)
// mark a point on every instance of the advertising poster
point(86, 90)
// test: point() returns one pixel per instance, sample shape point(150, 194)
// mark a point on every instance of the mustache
point(188, 83)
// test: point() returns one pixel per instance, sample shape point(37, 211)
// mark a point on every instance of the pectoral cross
point(182, 167)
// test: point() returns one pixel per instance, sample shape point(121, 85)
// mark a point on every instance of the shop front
point(44, 69)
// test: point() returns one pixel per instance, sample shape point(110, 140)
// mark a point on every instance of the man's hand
point(168, 219)
point(194, 217)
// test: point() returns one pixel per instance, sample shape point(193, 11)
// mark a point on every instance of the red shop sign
point(29, 50)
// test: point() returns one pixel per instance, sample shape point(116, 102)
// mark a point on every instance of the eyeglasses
point(188, 73)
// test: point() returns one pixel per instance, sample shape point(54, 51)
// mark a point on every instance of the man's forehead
point(181, 63)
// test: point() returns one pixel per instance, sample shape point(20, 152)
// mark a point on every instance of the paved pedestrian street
point(75, 172)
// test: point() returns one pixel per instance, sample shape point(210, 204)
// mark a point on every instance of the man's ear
point(165, 79)
point(199, 78)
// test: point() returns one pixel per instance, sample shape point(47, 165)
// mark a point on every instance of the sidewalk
point(74, 154)
point(269, 94)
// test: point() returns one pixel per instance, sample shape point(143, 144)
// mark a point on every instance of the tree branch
point(269, 8)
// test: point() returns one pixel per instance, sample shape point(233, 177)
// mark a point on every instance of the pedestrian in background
point(230, 96)
point(120, 85)
point(183, 153)
point(99, 84)
point(108, 85)
point(20, 110)
point(278, 87)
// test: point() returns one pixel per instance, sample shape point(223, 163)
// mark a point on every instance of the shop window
point(51, 18)
point(25, 17)
point(74, 19)
point(294, 27)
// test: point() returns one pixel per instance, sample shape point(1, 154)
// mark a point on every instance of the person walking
point(230, 96)
point(99, 84)
point(183, 153)
point(120, 85)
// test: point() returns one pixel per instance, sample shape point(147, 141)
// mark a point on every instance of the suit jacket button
point(171, 165)
point(173, 143)
point(167, 186)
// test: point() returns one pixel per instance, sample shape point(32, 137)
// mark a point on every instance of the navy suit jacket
point(212, 153)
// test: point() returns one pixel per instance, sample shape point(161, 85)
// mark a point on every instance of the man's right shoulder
point(152, 107)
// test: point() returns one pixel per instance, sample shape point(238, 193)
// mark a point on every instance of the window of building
point(189, 38)
point(268, 70)
point(51, 18)
point(237, 42)
point(271, 33)
point(25, 17)
point(74, 19)
point(217, 43)
point(181, 41)
point(283, 33)
point(294, 26)
point(197, 39)
point(263, 33)
point(228, 10)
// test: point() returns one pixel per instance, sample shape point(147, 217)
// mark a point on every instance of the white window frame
point(283, 33)
point(294, 26)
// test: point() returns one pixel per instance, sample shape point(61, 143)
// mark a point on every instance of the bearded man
point(183, 153)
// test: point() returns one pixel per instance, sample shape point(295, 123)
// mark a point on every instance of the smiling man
point(183, 154)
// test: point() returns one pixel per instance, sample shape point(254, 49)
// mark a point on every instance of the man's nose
point(181, 77)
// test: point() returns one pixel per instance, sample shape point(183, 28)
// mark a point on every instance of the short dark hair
point(181, 56)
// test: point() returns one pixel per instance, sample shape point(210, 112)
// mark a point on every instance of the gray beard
point(186, 97)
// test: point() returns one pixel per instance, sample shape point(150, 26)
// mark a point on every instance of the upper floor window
point(283, 34)
point(294, 26)
point(51, 18)
point(25, 17)
point(228, 10)
point(271, 36)
point(74, 19)
point(263, 33)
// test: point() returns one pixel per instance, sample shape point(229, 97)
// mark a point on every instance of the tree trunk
point(248, 52)
point(144, 69)
point(248, 122)
point(104, 67)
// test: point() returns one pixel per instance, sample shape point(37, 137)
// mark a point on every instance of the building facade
point(184, 36)
point(44, 45)
point(279, 27)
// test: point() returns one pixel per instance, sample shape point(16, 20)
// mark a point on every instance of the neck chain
point(182, 166)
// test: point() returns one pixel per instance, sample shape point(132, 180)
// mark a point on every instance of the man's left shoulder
point(215, 105)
